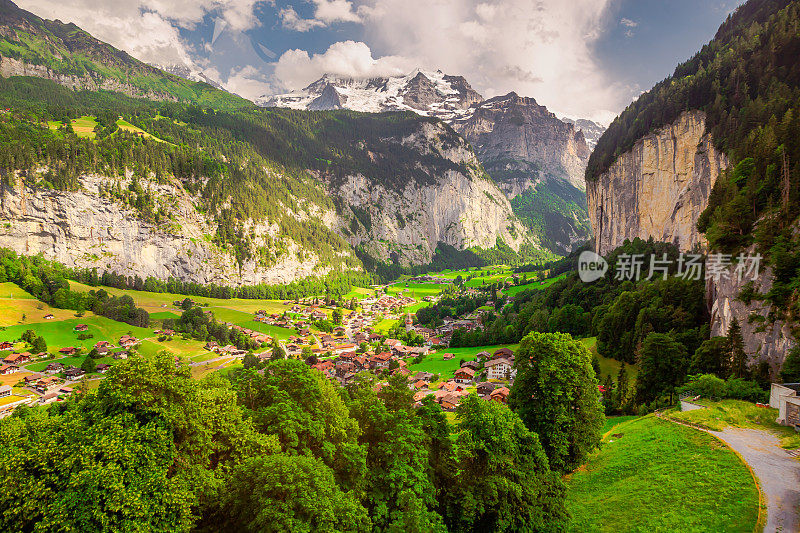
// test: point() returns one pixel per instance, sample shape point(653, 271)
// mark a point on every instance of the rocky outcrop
point(763, 340)
point(81, 229)
point(462, 209)
point(14, 67)
point(517, 139)
point(658, 188)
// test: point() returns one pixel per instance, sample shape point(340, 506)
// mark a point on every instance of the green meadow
point(436, 364)
point(655, 475)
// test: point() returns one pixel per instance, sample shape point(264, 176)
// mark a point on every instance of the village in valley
point(49, 354)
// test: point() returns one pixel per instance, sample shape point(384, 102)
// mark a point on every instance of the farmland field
point(654, 475)
point(511, 291)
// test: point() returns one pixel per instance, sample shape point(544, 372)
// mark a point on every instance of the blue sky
point(580, 58)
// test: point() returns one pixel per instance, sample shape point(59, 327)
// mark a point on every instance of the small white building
point(498, 368)
point(784, 398)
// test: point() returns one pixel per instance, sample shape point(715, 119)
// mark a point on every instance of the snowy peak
point(591, 130)
point(424, 92)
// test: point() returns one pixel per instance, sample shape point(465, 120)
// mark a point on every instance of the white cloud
point(296, 68)
point(147, 29)
point(248, 82)
point(326, 12)
point(628, 23)
point(542, 49)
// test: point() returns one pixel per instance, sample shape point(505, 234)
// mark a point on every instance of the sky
point(580, 58)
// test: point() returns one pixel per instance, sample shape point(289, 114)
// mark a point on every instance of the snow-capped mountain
point(591, 130)
point(188, 73)
point(424, 92)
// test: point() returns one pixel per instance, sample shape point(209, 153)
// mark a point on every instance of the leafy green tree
point(88, 365)
point(790, 371)
point(281, 493)
point(278, 353)
point(250, 361)
point(555, 393)
point(337, 316)
point(504, 482)
point(712, 357)
point(39, 345)
point(662, 367)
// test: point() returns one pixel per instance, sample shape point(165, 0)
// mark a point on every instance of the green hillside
point(67, 50)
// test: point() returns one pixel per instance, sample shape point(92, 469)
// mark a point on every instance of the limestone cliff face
point(81, 229)
point(763, 340)
point(14, 67)
point(521, 142)
point(461, 208)
point(658, 188)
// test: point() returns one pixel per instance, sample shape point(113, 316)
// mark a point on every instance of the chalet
point(421, 394)
point(18, 358)
point(47, 384)
point(498, 368)
point(451, 386)
point(380, 360)
point(474, 365)
point(102, 368)
point(102, 347)
point(65, 391)
point(360, 363)
point(375, 337)
point(316, 314)
point(50, 397)
point(54, 368)
point(68, 350)
point(5, 390)
point(391, 343)
point(81, 327)
point(33, 378)
point(425, 376)
point(447, 356)
point(485, 387)
point(419, 385)
point(344, 367)
point(49, 316)
point(126, 341)
point(8, 369)
point(342, 348)
point(500, 395)
point(5, 345)
point(450, 401)
point(211, 346)
point(73, 372)
point(503, 352)
point(464, 375)
point(122, 354)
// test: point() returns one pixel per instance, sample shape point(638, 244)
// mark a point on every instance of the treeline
point(332, 286)
point(278, 447)
point(203, 326)
point(119, 308)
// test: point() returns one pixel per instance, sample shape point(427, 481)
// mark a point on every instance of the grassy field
point(435, 363)
point(654, 475)
point(511, 291)
point(60, 334)
point(83, 126)
point(12, 290)
point(737, 413)
point(613, 421)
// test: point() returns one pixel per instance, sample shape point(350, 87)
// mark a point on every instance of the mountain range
point(536, 158)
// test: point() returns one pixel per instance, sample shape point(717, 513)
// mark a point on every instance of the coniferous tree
point(738, 357)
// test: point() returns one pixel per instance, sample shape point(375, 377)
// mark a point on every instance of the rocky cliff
point(658, 188)
point(461, 208)
point(82, 229)
point(763, 340)
point(520, 143)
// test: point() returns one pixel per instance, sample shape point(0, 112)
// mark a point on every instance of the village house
point(500, 395)
point(65, 391)
point(126, 341)
point(49, 316)
point(5, 345)
point(5, 390)
point(474, 365)
point(464, 375)
point(102, 368)
point(8, 369)
point(380, 360)
point(498, 369)
point(73, 373)
point(33, 378)
point(485, 387)
point(504, 353)
point(450, 402)
point(54, 368)
point(18, 358)
point(447, 356)
point(81, 327)
point(480, 356)
point(47, 384)
point(68, 350)
point(102, 347)
point(50, 397)
point(425, 376)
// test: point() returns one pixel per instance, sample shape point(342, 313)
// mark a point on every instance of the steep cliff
point(658, 188)
point(82, 229)
point(764, 340)
point(462, 208)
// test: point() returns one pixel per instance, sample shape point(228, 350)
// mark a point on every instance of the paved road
point(777, 471)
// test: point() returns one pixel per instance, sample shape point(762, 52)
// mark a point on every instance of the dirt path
point(777, 471)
